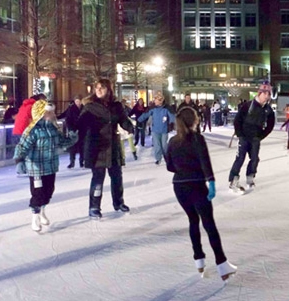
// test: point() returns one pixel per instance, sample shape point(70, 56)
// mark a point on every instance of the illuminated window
point(220, 42)
point(235, 42)
point(285, 64)
point(284, 40)
point(205, 42)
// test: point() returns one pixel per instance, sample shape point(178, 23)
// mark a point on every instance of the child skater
point(38, 149)
point(188, 158)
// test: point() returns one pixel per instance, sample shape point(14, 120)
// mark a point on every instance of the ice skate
point(95, 213)
point(43, 218)
point(250, 182)
point(226, 269)
point(236, 187)
point(200, 265)
point(36, 226)
point(122, 207)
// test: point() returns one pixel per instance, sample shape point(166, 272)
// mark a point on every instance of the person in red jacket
point(23, 118)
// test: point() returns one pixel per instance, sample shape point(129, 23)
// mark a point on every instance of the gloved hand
point(73, 134)
point(212, 190)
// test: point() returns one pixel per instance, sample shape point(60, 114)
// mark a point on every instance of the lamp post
point(119, 81)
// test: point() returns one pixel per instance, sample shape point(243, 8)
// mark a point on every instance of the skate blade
point(238, 192)
point(92, 218)
point(226, 277)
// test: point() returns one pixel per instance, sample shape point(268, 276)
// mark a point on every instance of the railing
point(7, 143)
point(10, 24)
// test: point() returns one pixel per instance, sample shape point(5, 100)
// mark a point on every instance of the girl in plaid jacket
point(38, 148)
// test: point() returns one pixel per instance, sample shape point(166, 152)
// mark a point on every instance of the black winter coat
point(72, 115)
point(97, 126)
point(254, 121)
point(189, 159)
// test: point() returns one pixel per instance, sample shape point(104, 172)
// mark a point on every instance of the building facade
point(215, 48)
point(59, 47)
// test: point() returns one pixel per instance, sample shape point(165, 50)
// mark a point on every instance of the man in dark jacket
point(253, 123)
point(97, 126)
point(72, 115)
point(188, 102)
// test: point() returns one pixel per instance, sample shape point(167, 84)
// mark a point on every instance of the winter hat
point(265, 87)
point(38, 110)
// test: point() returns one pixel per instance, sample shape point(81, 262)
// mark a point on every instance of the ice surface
point(147, 255)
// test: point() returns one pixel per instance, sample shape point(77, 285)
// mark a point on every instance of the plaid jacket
point(39, 148)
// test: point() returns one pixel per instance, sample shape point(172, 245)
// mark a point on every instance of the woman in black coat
point(102, 149)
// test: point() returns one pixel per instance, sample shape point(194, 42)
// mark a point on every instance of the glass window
point(250, 20)
point(205, 42)
point(189, 1)
point(236, 42)
point(235, 20)
point(285, 17)
point(150, 17)
point(150, 40)
point(190, 42)
point(129, 17)
point(285, 64)
point(220, 42)
point(251, 43)
point(220, 19)
point(284, 40)
point(190, 20)
point(205, 19)
point(235, 1)
point(220, 1)
point(205, 1)
point(250, 1)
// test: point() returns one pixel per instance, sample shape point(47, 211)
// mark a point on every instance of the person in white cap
point(38, 149)
point(253, 123)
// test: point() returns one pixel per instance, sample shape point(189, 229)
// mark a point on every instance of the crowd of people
point(98, 125)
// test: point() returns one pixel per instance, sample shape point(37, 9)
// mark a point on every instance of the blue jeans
point(160, 142)
point(96, 186)
point(252, 147)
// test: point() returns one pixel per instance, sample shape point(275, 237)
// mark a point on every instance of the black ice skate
point(95, 213)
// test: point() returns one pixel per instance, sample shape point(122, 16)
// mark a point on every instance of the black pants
point(207, 121)
point(96, 186)
point(41, 196)
point(193, 198)
point(140, 131)
point(73, 150)
point(251, 147)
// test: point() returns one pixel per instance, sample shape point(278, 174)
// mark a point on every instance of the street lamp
point(157, 66)
point(4, 89)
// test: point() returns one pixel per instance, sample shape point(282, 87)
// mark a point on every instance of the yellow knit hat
point(38, 110)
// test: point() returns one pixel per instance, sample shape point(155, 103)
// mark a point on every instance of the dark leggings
point(193, 198)
point(41, 196)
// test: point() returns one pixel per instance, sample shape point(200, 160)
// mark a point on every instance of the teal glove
point(212, 190)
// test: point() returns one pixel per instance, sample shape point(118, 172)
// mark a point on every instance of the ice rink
point(146, 255)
